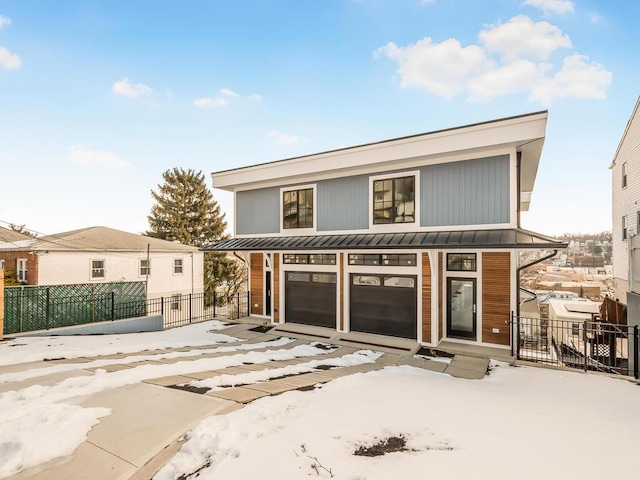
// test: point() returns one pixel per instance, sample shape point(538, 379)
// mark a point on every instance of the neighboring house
point(100, 254)
point(16, 262)
point(625, 170)
point(415, 237)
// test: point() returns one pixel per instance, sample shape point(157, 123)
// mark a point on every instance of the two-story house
point(625, 188)
point(415, 237)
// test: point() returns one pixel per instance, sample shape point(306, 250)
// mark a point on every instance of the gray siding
point(343, 203)
point(258, 211)
point(471, 192)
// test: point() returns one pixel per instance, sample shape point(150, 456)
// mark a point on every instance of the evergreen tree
point(186, 211)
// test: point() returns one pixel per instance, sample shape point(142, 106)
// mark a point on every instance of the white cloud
point(283, 139)
point(515, 77)
point(521, 38)
point(9, 60)
point(559, 7)
point(515, 57)
point(82, 156)
point(441, 68)
point(221, 98)
point(4, 21)
point(255, 97)
point(579, 77)
point(131, 90)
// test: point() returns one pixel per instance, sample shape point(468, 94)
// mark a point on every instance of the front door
point(461, 308)
point(267, 293)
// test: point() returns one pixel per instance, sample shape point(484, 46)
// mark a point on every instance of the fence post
point(584, 339)
point(190, 308)
point(161, 305)
point(238, 306)
point(113, 306)
point(215, 300)
point(47, 309)
point(636, 351)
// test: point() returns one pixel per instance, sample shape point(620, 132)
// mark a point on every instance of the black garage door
point(310, 298)
point(384, 304)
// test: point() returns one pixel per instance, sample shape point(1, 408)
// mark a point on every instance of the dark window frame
point(306, 259)
point(382, 207)
point(145, 267)
point(298, 212)
point(383, 259)
point(461, 265)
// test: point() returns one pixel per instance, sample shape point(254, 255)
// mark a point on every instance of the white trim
point(21, 273)
point(294, 232)
point(435, 288)
point(173, 267)
point(140, 267)
point(524, 131)
point(396, 227)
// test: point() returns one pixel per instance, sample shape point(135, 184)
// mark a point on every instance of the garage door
point(384, 304)
point(310, 298)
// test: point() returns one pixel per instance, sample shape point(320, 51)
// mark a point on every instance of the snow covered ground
point(524, 423)
point(516, 423)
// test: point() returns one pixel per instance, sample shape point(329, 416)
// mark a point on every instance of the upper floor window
point(297, 208)
point(624, 174)
point(394, 200)
point(97, 268)
point(145, 267)
point(177, 266)
point(624, 227)
point(21, 269)
point(1, 264)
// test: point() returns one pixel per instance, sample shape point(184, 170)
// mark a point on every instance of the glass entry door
point(461, 308)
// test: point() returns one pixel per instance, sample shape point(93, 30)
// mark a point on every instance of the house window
point(394, 200)
point(297, 208)
point(316, 259)
point(176, 301)
point(624, 227)
point(21, 269)
point(624, 175)
point(177, 266)
point(1, 264)
point(575, 329)
point(97, 268)
point(461, 262)
point(145, 267)
point(402, 260)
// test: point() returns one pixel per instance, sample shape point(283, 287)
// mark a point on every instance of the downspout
point(518, 168)
point(530, 264)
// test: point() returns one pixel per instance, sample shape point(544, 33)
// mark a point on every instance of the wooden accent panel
point(341, 291)
point(440, 291)
point(496, 296)
point(257, 284)
point(426, 298)
point(275, 295)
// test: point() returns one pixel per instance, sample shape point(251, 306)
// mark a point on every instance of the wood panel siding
point(426, 298)
point(341, 280)
point(440, 292)
point(257, 284)
point(275, 295)
point(496, 297)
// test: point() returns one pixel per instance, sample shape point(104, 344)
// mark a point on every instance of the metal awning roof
point(515, 238)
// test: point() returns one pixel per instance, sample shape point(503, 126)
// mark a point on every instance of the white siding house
point(625, 170)
point(100, 254)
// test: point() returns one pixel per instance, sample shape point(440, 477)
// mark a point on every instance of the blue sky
point(98, 98)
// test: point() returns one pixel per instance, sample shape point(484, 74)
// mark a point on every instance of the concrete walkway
point(148, 419)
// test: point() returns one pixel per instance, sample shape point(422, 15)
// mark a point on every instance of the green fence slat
point(25, 307)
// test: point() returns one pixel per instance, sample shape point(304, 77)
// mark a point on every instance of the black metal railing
point(178, 309)
point(585, 345)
